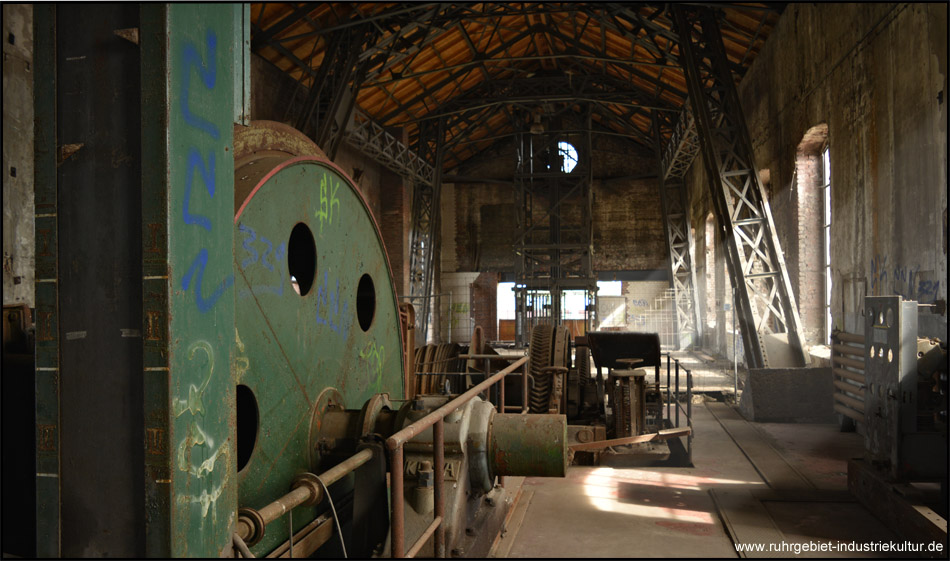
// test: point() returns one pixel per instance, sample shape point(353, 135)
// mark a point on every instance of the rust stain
point(46, 439)
point(45, 322)
point(154, 229)
point(156, 442)
point(44, 235)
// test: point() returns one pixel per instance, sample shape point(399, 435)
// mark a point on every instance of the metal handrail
point(395, 444)
point(501, 387)
point(688, 410)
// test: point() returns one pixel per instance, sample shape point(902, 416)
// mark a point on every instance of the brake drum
point(314, 304)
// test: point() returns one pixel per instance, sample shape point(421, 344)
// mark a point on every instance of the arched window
point(813, 269)
point(568, 156)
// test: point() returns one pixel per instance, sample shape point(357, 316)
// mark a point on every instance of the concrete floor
point(672, 511)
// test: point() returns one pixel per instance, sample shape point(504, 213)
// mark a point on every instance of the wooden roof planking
point(489, 66)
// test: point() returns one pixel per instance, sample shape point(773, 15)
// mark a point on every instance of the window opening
point(568, 156)
point(826, 230)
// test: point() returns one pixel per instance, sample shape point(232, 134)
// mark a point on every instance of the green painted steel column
point(188, 109)
point(529, 445)
point(47, 285)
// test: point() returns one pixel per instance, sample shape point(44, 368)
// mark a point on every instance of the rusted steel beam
point(662, 435)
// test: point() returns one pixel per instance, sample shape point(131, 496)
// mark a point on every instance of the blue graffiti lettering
point(199, 264)
point(904, 281)
point(251, 235)
point(329, 312)
point(208, 74)
point(207, 173)
point(270, 247)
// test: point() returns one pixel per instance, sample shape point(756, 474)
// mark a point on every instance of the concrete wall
point(876, 75)
point(18, 240)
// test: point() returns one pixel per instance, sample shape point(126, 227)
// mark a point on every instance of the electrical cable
point(336, 519)
point(241, 546)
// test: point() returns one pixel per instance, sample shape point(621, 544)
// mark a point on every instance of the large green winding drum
point(315, 309)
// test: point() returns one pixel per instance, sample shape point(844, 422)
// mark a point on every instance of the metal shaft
point(306, 490)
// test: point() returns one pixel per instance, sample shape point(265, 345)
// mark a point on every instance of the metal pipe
point(487, 369)
point(850, 337)
point(848, 350)
point(409, 432)
point(601, 444)
point(846, 387)
point(689, 415)
point(436, 523)
point(398, 523)
point(859, 364)
point(306, 491)
point(848, 412)
point(668, 418)
point(851, 402)
point(438, 437)
point(850, 375)
point(677, 408)
point(524, 389)
point(501, 396)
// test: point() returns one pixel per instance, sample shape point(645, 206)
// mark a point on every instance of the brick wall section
point(627, 215)
point(394, 224)
point(484, 306)
point(806, 270)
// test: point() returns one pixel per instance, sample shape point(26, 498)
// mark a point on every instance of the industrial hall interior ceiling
point(368, 279)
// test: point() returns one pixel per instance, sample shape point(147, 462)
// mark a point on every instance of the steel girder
point(371, 138)
point(424, 232)
point(765, 302)
point(674, 198)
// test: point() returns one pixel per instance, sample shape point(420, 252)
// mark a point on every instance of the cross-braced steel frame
point(679, 238)
point(765, 302)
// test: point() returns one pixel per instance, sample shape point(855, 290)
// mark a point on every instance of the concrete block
point(788, 395)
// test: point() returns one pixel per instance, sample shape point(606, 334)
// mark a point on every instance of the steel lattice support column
point(554, 244)
point(679, 237)
point(766, 306)
point(424, 229)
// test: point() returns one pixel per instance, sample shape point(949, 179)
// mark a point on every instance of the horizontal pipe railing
point(675, 399)
point(850, 388)
point(305, 491)
point(395, 445)
point(841, 372)
point(847, 366)
point(858, 364)
point(848, 412)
